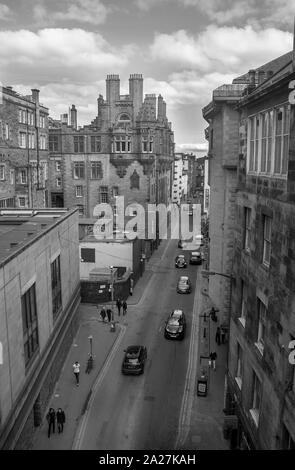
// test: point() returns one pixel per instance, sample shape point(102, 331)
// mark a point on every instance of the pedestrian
point(119, 305)
point(124, 305)
point(212, 360)
point(217, 335)
point(131, 287)
point(223, 334)
point(51, 421)
point(109, 314)
point(103, 313)
point(76, 368)
point(60, 419)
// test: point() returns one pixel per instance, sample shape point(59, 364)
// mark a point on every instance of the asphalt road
point(142, 412)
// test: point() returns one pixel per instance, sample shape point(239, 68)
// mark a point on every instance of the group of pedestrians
point(53, 417)
point(220, 338)
point(106, 314)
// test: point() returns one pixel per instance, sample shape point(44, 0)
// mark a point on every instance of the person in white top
point(76, 368)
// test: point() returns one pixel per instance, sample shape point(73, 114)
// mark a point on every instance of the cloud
point(82, 11)
point(5, 12)
point(222, 49)
point(196, 147)
point(59, 54)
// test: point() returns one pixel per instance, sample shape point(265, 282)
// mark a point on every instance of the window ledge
point(239, 382)
point(242, 321)
point(255, 416)
point(260, 347)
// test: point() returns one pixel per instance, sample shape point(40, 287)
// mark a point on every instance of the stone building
point(39, 296)
point(23, 150)
point(261, 380)
point(127, 150)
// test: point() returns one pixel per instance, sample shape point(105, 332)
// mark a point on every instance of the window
point(22, 201)
point(31, 138)
point(58, 182)
point(2, 172)
point(247, 229)
point(22, 116)
point(115, 191)
point(103, 194)
point(56, 287)
point(243, 304)
point(147, 144)
point(88, 255)
point(256, 399)
point(96, 170)
point(95, 143)
point(58, 166)
point(30, 118)
point(79, 191)
point(11, 177)
point(268, 141)
point(262, 311)
point(239, 370)
point(42, 121)
point(42, 142)
point(79, 143)
point(23, 176)
point(53, 143)
point(122, 144)
point(22, 139)
point(30, 324)
point(79, 170)
point(134, 180)
point(266, 240)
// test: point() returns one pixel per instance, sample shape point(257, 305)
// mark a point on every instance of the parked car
point(134, 360)
point(175, 325)
point(184, 285)
point(196, 257)
point(180, 261)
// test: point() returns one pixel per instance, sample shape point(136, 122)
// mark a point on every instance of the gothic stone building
point(23, 150)
point(127, 150)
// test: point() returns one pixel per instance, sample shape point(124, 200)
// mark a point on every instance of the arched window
point(134, 180)
point(124, 117)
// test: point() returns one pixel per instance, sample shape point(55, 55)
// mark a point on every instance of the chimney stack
point(35, 95)
point(252, 74)
point(136, 92)
point(73, 116)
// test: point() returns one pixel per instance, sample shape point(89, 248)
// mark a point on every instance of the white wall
point(107, 254)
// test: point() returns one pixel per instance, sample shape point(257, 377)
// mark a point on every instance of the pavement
point(205, 431)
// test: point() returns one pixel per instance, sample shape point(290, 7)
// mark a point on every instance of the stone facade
point(35, 345)
point(23, 150)
point(127, 150)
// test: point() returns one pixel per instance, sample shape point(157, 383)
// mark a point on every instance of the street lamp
point(90, 340)
point(113, 327)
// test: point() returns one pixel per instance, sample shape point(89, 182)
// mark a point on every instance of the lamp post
point(113, 327)
point(90, 340)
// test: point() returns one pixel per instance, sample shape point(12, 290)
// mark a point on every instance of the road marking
point(189, 388)
point(82, 427)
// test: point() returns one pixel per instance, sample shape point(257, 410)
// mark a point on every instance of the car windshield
point(176, 314)
point(174, 322)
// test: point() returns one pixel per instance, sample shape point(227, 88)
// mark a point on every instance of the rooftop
point(20, 228)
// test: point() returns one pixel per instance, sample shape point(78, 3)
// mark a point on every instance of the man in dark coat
point(119, 305)
point(51, 421)
point(109, 314)
point(103, 313)
point(212, 360)
point(217, 335)
point(60, 418)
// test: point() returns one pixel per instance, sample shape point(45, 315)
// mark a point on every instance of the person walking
point(124, 305)
point(223, 334)
point(51, 421)
point(103, 313)
point(76, 368)
point(109, 314)
point(119, 305)
point(60, 419)
point(212, 360)
point(217, 335)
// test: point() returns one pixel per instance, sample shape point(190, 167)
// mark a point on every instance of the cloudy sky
point(183, 48)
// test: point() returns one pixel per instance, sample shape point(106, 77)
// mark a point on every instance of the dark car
point(184, 285)
point(134, 360)
point(196, 258)
point(175, 325)
point(180, 261)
